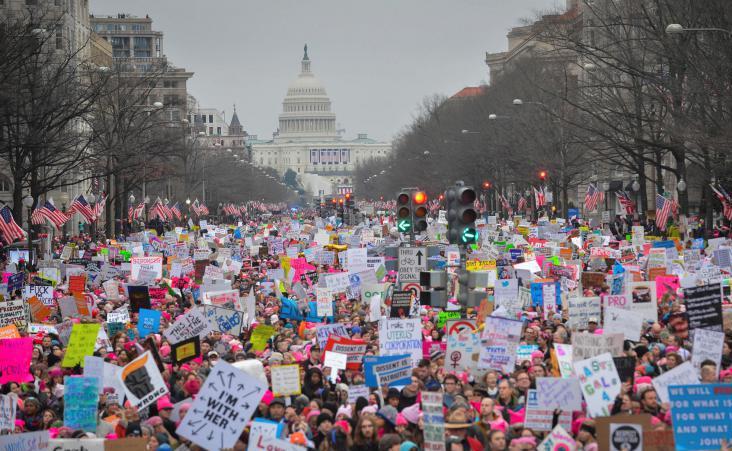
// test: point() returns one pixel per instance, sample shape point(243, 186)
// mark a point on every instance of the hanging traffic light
point(349, 200)
point(461, 215)
point(419, 220)
point(542, 175)
point(486, 185)
point(404, 212)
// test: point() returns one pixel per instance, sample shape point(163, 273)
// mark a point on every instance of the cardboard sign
point(13, 312)
point(324, 300)
point(286, 380)
point(186, 350)
point(191, 323)
point(623, 321)
point(581, 310)
point(222, 408)
point(225, 320)
point(151, 264)
point(585, 345)
point(701, 415)
point(8, 408)
point(400, 336)
point(434, 421)
point(554, 393)
point(540, 418)
point(323, 331)
point(142, 381)
point(29, 440)
point(81, 343)
point(600, 383)
point(684, 374)
point(81, 396)
point(335, 360)
point(564, 358)
point(707, 346)
point(10, 331)
point(390, 373)
point(499, 340)
point(261, 334)
point(43, 293)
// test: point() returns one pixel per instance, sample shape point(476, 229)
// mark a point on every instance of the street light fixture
point(158, 105)
point(681, 186)
point(188, 201)
point(676, 28)
point(492, 117)
point(132, 198)
point(518, 102)
point(28, 203)
point(635, 186)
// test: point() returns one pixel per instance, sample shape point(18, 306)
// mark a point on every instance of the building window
point(59, 37)
point(170, 84)
point(5, 185)
point(170, 100)
point(218, 132)
point(203, 118)
point(57, 2)
point(210, 118)
point(31, 2)
point(210, 130)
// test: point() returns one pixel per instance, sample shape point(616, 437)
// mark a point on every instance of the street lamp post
point(676, 28)
point(132, 206)
point(28, 203)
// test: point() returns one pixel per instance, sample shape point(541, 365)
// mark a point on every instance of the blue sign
point(81, 395)
point(537, 293)
point(313, 313)
point(573, 213)
point(369, 361)
point(698, 243)
point(668, 244)
point(15, 282)
point(515, 253)
point(701, 415)
point(148, 322)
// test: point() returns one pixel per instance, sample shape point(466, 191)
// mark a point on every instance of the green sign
point(404, 225)
point(469, 235)
point(442, 317)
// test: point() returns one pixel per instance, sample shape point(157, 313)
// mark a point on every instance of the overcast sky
point(376, 58)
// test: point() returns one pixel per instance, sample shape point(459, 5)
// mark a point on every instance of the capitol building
point(309, 143)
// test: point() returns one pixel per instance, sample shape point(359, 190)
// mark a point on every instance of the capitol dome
point(306, 110)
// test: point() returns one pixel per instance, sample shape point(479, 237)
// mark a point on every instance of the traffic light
point(419, 209)
point(461, 215)
point(467, 295)
point(542, 176)
point(404, 212)
point(486, 185)
point(349, 200)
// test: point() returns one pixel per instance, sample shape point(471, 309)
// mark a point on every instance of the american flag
point(626, 201)
point(99, 206)
point(175, 209)
point(136, 212)
point(540, 196)
point(158, 211)
point(48, 211)
point(81, 206)
point(663, 211)
point(195, 207)
point(203, 209)
point(725, 200)
point(505, 204)
point(11, 231)
point(521, 203)
point(593, 197)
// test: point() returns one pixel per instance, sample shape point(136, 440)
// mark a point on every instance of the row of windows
point(115, 26)
point(308, 107)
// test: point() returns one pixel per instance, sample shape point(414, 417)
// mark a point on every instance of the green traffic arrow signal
point(469, 235)
point(404, 225)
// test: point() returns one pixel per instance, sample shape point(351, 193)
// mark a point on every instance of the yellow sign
point(81, 343)
point(480, 265)
point(260, 335)
point(523, 230)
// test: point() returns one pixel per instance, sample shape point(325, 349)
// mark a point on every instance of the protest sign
point(77, 285)
point(401, 336)
point(39, 310)
point(222, 408)
point(259, 431)
point(564, 358)
point(684, 374)
point(623, 321)
point(540, 418)
point(81, 395)
point(581, 310)
point(558, 440)
point(81, 343)
point(701, 415)
point(499, 340)
point(626, 368)
point(708, 345)
point(94, 368)
point(643, 295)
point(335, 360)
point(353, 348)
point(148, 322)
point(434, 421)
point(286, 380)
point(324, 300)
point(191, 323)
point(260, 335)
point(139, 296)
point(222, 298)
point(121, 315)
point(186, 350)
point(13, 312)
point(357, 391)
point(8, 405)
point(585, 345)
point(704, 306)
point(126, 444)
point(225, 320)
point(442, 317)
point(323, 331)
point(622, 432)
point(600, 383)
point(142, 381)
point(77, 444)
point(554, 393)
point(64, 331)
point(9, 331)
point(152, 264)
point(43, 293)
point(383, 362)
point(463, 345)
point(401, 304)
point(37, 441)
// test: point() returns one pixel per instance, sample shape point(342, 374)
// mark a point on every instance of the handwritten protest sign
point(558, 439)
point(43, 293)
point(586, 345)
point(434, 421)
point(152, 264)
point(600, 383)
point(191, 323)
point(323, 331)
point(260, 335)
point(400, 336)
point(564, 358)
point(222, 408)
point(354, 349)
point(708, 345)
point(286, 380)
point(500, 339)
point(81, 343)
point(225, 320)
point(81, 395)
point(624, 321)
point(9, 331)
point(335, 360)
point(30, 440)
point(540, 418)
point(554, 393)
point(684, 374)
point(13, 312)
point(142, 381)
point(581, 310)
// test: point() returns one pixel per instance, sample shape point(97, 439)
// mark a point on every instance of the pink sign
point(667, 284)
point(15, 364)
point(428, 347)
